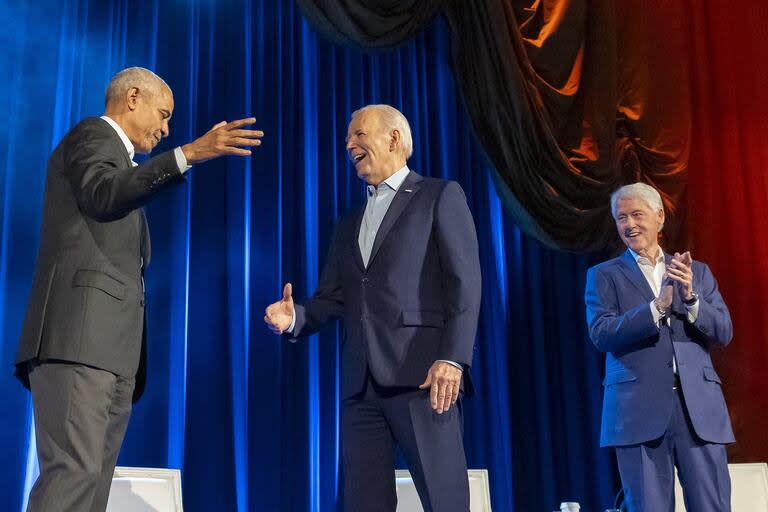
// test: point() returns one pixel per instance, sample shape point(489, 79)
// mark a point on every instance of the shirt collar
point(123, 137)
point(393, 181)
point(637, 257)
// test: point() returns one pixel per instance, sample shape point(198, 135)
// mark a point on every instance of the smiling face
point(373, 149)
point(148, 120)
point(639, 226)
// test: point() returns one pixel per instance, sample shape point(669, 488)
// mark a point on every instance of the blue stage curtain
point(252, 422)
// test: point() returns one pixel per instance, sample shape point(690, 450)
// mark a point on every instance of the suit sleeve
point(713, 320)
point(327, 303)
point(610, 330)
point(460, 264)
point(107, 190)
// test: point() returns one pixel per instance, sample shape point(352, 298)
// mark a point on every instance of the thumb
point(217, 126)
point(287, 291)
point(428, 382)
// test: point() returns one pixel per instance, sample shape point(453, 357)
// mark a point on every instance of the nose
point(350, 145)
point(165, 130)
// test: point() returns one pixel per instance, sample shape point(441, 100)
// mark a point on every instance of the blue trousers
point(377, 419)
point(647, 469)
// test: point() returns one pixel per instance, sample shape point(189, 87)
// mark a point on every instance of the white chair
point(145, 490)
point(749, 488)
point(479, 491)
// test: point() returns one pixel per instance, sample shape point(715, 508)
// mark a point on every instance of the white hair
point(392, 119)
point(640, 191)
point(141, 78)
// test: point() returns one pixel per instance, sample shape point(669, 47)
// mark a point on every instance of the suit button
point(366, 280)
point(669, 364)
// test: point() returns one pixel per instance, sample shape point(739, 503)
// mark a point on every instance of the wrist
point(189, 153)
point(691, 299)
point(662, 309)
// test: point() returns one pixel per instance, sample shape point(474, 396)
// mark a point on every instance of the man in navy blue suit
point(403, 274)
point(657, 317)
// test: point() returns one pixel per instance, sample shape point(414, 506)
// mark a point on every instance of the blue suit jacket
point(418, 299)
point(638, 394)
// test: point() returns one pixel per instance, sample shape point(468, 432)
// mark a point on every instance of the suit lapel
point(407, 190)
point(143, 226)
point(358, 257)
point(635, 275)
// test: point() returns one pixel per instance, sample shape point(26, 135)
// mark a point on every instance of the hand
point(223, 139)
point(679, 270)
point(664, 300)
point(444, 379)
point(279, 315)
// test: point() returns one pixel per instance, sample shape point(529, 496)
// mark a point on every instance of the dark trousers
point(647, 469)
point(377, 419)
point(81, 414)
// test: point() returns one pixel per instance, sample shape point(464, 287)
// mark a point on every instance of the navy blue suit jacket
point(638, 394)
point(418, 299)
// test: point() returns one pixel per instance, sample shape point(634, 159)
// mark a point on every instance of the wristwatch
point(693, 300)
point(662, 310)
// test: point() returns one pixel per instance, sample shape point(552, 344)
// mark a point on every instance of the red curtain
point(728, 195)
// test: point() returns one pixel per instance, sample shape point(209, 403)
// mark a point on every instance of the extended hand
point(444, 381)
point(679, 270)
point(223, 139)
point(279, 315)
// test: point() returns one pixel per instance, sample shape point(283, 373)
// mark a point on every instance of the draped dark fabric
point(569, 99)
point(252, 422)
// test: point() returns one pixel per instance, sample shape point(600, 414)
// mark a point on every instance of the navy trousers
point(376, 420)
point(647, 469)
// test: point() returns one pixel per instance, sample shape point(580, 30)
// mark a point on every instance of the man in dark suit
point(82, 347)
point(404, 276)
point(657, 317)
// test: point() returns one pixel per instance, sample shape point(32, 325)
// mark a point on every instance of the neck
point(651, 253)
point(119, 118)
point(386, 176)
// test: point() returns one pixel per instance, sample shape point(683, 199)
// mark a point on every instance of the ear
point(132, 98)
point(394, 140)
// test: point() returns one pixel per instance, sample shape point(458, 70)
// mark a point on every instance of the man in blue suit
point(403, 274)
point(657, 317)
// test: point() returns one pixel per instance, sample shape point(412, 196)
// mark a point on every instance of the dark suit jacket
point(417, 300)
point(638, 394)
point(87, 300)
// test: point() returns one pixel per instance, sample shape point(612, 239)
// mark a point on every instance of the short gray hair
point(637, 191)
point(141, 78)
point(392, 119)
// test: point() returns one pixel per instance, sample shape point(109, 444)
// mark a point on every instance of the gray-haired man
point(82, 347)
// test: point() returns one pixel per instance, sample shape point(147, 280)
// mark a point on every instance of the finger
point(680, 274)
point(242, 141)
point(455, 393)
point(236, 151)
point(427, 382)
point(433, 396)
point(240, 122)
point(217, 126)
point(444, 397)
point(287, 291)
point(245, 133)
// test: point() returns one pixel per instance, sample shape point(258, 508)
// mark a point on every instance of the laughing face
point(373, 149)
point(149, 119)
point(639, 226)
